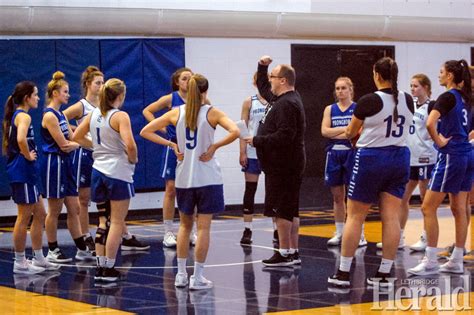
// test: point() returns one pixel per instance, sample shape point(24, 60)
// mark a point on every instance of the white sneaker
point(362, 241)
point(401, 244)
point(199, 284)
point(57, 256)
point(169, 240)
point(452, 267)
point(84, 255)
point(424, 268)
point(48, 266)
point(193, 238)
point(26, 267)
point(181, 280)
point(335, 240)
point(419, 246)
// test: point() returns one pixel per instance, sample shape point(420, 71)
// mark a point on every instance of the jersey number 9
point(191, 139)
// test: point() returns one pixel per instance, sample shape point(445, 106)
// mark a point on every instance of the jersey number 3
point(397, 131)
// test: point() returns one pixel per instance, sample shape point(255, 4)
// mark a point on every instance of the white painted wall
point(229, 65)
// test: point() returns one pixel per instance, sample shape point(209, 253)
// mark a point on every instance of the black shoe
point(276, 242)
point(296, 258)
point(98, 273)
point(380, 279)
point(133, 244)
point(246, 237)
point(110, 274)
point(277, 260)
point(90, 243)
point(341, 278)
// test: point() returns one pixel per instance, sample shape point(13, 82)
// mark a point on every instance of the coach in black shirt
point(280, 150)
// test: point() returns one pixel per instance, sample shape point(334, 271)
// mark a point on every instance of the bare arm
point(218, 117)
point(22, 122)
point(354, 127)
point(80, 134)
point(51, 123)
point(431, 123)
point(75, 111)
point(327, 131)
point(162, 103)
point(243, 145)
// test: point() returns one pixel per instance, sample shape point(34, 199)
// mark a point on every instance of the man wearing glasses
point(280, 150)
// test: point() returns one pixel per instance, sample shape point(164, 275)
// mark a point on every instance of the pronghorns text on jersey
point(419, 115)
point(258, 111)
point(341, 122)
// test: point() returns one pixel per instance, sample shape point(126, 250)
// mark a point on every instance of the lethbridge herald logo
point(441, 294)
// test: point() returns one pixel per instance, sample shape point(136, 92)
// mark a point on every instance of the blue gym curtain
point(145, 65)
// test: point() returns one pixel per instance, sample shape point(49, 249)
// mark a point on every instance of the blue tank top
point(176, 100)
point(49, 145)
point(19, 169)
point(456, 124)
point(340, 118)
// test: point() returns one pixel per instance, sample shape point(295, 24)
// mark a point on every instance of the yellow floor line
point(15, 301)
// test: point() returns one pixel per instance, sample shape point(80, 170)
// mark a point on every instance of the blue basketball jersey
point(340, 118)
point(19, 169)
point(456, 124)
point(49, 145)
point(176, 100)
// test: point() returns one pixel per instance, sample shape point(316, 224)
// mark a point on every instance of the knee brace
point(101, 235)
point(249, 197)
point(104, 211)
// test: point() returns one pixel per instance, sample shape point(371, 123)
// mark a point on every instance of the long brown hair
point(197, 85)
point(109, 92)
point(175, 77)
point(88, 76)
point(461, 73)
point(22, 90)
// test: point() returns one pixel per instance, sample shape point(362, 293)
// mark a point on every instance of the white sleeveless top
point(190, 172)
point(380, 130)
point(256, 112)
point(422, 150)
point(86, 109)
point(110, 157)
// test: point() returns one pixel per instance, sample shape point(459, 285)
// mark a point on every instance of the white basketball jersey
point(190, 172)
point(86, 109)
point(256, 112)
point(422, 150)
point(380, 130)
point(110, 157)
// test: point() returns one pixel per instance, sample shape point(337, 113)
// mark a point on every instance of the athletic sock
point(345, 263)
point(385, 265)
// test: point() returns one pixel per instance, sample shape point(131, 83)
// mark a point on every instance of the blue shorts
point(23, 193)
point(452, 173)
point(338, 167)
point(168, 165)
point(104, 188)
point(82, 162)
point(472, 164)
point(421, 172)
point(207, 200)
point(253, 167)
point(378, 170)
point(58, 179)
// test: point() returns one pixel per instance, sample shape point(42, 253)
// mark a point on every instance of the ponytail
point(461, 74)
point(22, 90)
point(7, 120)
point(197, 85)
point(109, 92)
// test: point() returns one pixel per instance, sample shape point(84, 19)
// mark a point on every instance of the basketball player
point(339, 153)
point(385, 117)
point(20, 148)
point(198, 176)
point(115, 156)
point(58, 178)
point(449, 125)
point(179, 85)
